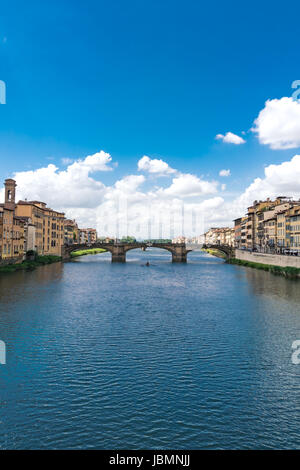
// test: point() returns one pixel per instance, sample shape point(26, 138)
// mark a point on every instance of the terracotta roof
point(30, 203)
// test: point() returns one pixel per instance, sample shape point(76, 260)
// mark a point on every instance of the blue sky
point(134, 78)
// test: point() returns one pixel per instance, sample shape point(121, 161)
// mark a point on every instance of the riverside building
point(270, 226)
point(87, 235)
point(11, 227)
point(71, 232)
point(45, 225)
point(220, 236)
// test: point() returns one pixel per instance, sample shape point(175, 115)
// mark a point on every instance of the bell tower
point(10, 194)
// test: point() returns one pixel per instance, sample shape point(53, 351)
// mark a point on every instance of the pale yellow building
point(71, 232)
point(219, 236)
point(87, 235)
point(261, 227)
point(48, 226)
point(292, 228)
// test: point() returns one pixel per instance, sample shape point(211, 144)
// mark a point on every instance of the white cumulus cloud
point(279, 180)
point(187, 185)
point(278, 124)
point(72, 187)
point(132, 204)
point(155, 166)
point(126, 206)
point(230, 138)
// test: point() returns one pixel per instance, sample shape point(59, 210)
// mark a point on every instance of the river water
point(116, 356)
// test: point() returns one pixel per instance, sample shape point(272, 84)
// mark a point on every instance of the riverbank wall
point(264, 258)
point(10, 261)
point(276, 264)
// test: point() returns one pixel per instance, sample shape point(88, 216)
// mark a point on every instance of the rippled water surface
point(103, 355)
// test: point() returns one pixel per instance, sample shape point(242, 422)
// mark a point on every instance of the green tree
point(128, 239)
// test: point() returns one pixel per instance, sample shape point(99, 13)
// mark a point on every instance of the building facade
point(45, 226)
point(71, 232)
point(270, 226)
point(12, 226)
point(179, 239)
point(292, 228)
point(87, 235)
point(220, 236)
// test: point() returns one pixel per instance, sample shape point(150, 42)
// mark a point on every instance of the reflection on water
point(103, 355)
point(22, 284)
point(272, 285)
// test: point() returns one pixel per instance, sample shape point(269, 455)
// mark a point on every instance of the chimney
point(10, 194)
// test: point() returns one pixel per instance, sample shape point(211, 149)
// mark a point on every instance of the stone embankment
point(276, 260)
point(288, 266)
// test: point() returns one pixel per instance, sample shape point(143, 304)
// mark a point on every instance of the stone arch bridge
point(228, 251)
point(118, 251)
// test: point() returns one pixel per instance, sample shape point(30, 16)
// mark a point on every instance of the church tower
point(10, 194)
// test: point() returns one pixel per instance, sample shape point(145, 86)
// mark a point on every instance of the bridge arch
point(226, 249)
point(146, 248)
